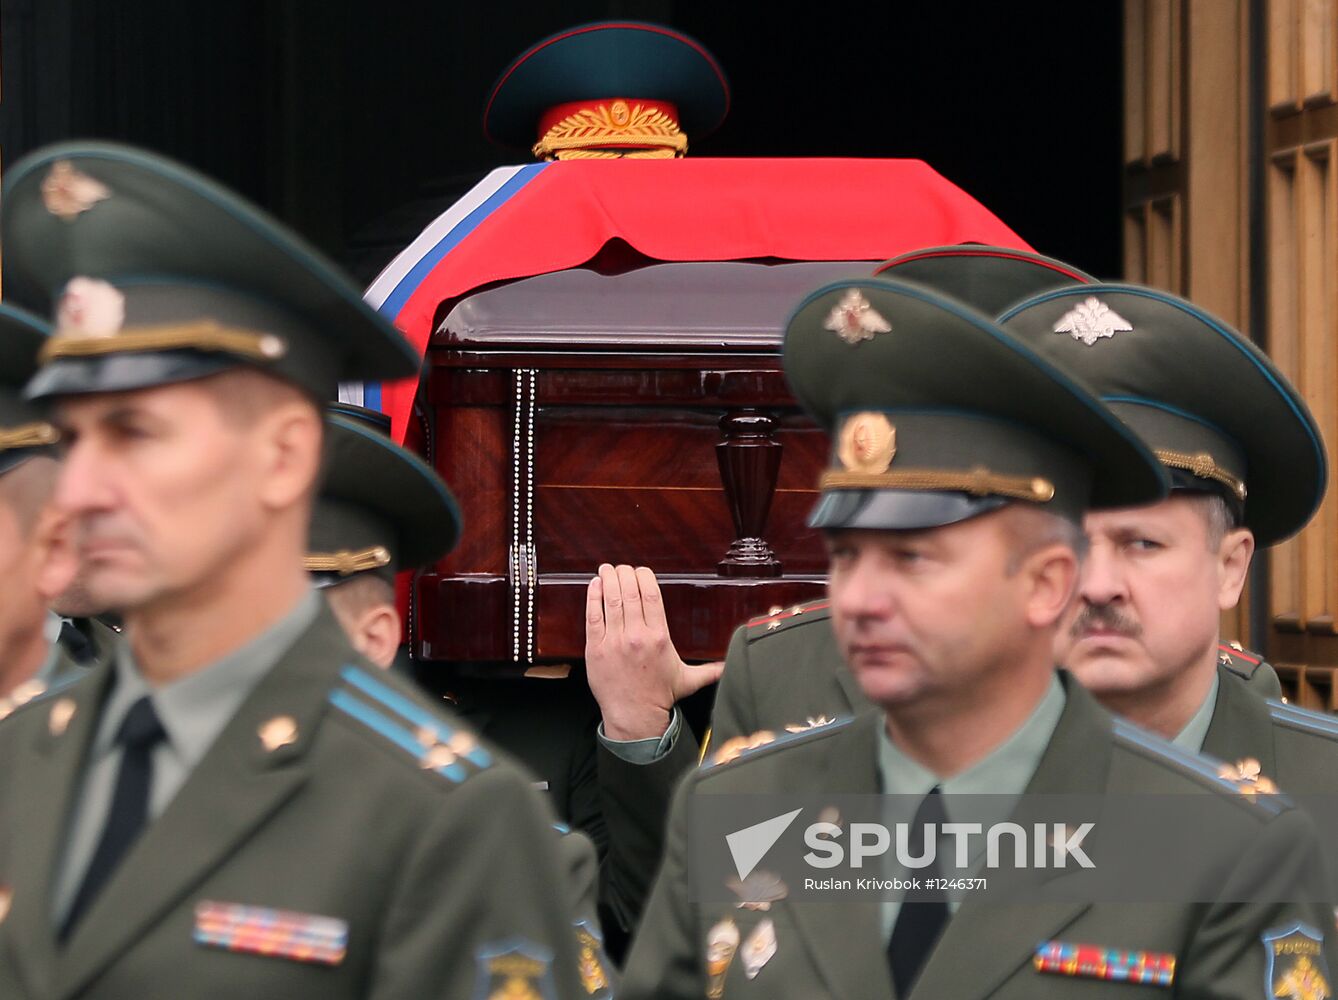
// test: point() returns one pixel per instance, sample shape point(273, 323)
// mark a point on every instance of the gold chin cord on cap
point(206, 336)
point(346, 562)
point(979, 482)
point(34, 435)
point(1202, 465)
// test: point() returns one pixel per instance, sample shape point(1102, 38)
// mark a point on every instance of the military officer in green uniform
point(1248, 468)
point(952, 514)
point(240, 804)
point(32, 657)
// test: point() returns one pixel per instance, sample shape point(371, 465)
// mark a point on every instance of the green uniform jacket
point(838, 949)
point(448, 878)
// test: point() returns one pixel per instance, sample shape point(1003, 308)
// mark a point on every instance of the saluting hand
point(635, 673)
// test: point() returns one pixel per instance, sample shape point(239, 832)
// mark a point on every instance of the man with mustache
point(1248, 468)
point(239, 804)
point(952, 514)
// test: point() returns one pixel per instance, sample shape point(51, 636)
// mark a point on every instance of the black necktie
point(76, 643)
point(924, 913)
point(140, 732)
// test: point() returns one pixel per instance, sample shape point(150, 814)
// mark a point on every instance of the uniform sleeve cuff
point(646, 751)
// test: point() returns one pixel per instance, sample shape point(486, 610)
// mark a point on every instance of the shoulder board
point(779, 619)
point(428, 740)
point(1207, 771)
point(1238, 659)
point(34, 692)
point(741, 747)
point(1303, 719)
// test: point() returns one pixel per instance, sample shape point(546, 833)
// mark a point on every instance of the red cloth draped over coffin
point(591, 397)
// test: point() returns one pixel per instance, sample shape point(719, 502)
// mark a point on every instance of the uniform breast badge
point(592, 962)
point(722, 941)
point(1296, 966)
point(759, 949)
point(1149, 968)
point(259, 930)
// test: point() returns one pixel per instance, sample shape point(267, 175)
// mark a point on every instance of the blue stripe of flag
point(396, 300)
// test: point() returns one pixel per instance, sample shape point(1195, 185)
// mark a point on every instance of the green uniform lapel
point(1241, 726)
point(46, 783)
point(236, 787)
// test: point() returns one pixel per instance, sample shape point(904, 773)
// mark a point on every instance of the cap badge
point(610, 130)
point(1092, 320)
point(278, 732)
point(89, 307)
point(853, 319)
point(868, 443)
point(67, 193)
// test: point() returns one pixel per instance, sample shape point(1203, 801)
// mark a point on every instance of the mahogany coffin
point(639, 418)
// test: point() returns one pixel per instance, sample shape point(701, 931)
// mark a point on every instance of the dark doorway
point(358, 121)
